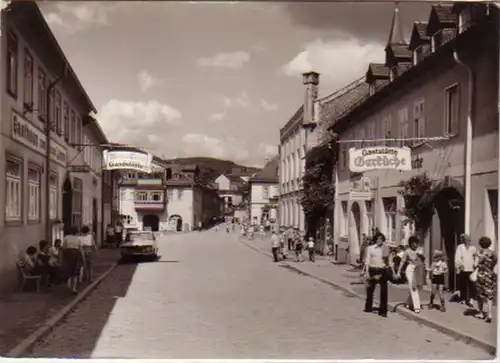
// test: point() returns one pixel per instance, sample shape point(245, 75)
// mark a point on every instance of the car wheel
point(124, 260)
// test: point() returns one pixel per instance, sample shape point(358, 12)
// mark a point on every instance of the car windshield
point(140, 237)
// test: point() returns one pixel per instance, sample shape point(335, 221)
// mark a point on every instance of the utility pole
point(48, 146)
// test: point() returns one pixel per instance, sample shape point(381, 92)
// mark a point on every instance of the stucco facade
point(294, 141)
point(71, 190)
point(431, 99)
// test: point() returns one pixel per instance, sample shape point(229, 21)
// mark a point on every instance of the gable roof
point(233, 178)
point(419, 34)
point(269, 174)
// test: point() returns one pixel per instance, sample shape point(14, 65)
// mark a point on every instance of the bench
point(23, 277)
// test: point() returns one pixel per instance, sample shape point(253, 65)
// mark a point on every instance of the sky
point(215, 79)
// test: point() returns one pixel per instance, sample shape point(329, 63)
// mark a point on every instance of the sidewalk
point(22, 313)
point(452, 322)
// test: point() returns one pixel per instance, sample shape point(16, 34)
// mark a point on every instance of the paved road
point(211, 297)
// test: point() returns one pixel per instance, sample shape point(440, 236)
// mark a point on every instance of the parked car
point(139, 245)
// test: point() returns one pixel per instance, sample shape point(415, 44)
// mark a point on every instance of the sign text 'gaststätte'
point(132, 160)
point(372, 158)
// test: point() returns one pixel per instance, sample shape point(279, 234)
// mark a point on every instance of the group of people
point(67, 261)
point(476, 269)
point(114, 234)
point(296, 242)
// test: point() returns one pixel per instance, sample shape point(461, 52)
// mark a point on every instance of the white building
point(142, 200)
point(292, 150)
point(264, 194)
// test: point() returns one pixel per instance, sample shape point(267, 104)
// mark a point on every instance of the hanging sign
point(375, 158)
point(128, 160)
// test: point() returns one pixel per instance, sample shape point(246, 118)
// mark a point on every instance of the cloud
point(146, 81)
point(258, 48)
point(195, 144)
point(76, 16)
point(338, 61)
point(218, 116)
point(239, 101)
point(348, 17)
point(137, 123)
point(268, 106)
point(234, 60)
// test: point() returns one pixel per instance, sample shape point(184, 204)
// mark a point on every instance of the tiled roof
point(419, 35)
point(234, 178)
point(336, 104)
point(269, 174)
point(421, 27)
point(191, 167)
point(400, 51)
point(445, 14)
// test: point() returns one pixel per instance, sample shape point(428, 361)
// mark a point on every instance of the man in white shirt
point(464, 265)
point(275, 245)
point(375, 268)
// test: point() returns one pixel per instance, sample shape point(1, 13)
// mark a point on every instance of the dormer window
point(394, 73)
point(436, 40)
point(464, 19)
point(372, 89)
point(418, 55)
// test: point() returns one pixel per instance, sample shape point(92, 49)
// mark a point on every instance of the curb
point(47, 327)
point(454, 333)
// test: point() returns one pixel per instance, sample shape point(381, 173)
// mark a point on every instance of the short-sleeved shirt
point(72, 241)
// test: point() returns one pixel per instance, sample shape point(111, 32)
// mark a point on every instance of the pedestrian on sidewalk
point(289, 236)
point(414, 259)
point(464, 265)
point(310, 249)
point(299, 246)
point(73, 257)
point(110, 235)
point(89, 249)
point(376, 272)
point(118, 233)
point(282, 245)
point(275, 245)
point(485, 263)
point(437, 271)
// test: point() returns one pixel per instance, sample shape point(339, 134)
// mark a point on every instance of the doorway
point(67, 205)
point(152, 221)
point(175, 222)
point(449, 204)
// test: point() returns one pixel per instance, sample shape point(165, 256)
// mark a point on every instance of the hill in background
point(211, 168)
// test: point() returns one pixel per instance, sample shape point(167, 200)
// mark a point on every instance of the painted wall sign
point(28, 135)
point(373, 158)
point(129, 160)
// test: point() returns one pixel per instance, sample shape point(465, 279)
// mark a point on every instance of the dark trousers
point(311, 254)
point(275, 253)
point(372, 283)
point(290, 246)
point(466, 286)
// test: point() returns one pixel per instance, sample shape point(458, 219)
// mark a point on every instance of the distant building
point(142, 201)
point(231, 189)
point(189, 202)
point(263, 202)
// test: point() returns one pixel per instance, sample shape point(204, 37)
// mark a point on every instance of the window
point(419, 120)
point(393, 73)
point(51, 107)
point(403, 125)
point(418, 55)
point(265, 192)
point(156, 196)
point(53, 195)
point(387, 126)
point(66, 121)
point(33, 193)
point(141, 196)
point(170, 193)
point(13, 200)
point(12, 63)
point(464, 19)
point(78, 135)
point(436, 40)
point(28, 82)
point(179, 193)
point(72, 134)
point(57, 113)
point(390, 218)
point(42, 94)
point(451, 112)
point(77, 202)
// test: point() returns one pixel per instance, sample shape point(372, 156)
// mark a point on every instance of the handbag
point(473, 276)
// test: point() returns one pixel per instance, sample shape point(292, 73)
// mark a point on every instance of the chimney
point(311, 81)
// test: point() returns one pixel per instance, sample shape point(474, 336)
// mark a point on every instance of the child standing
point(438, 269)
point(310, 249)
point(298, 249)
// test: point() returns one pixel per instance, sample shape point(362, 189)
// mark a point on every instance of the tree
point(417, 193)
point(317, 194)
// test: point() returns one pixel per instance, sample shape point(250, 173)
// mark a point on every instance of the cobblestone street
point(211, 297)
